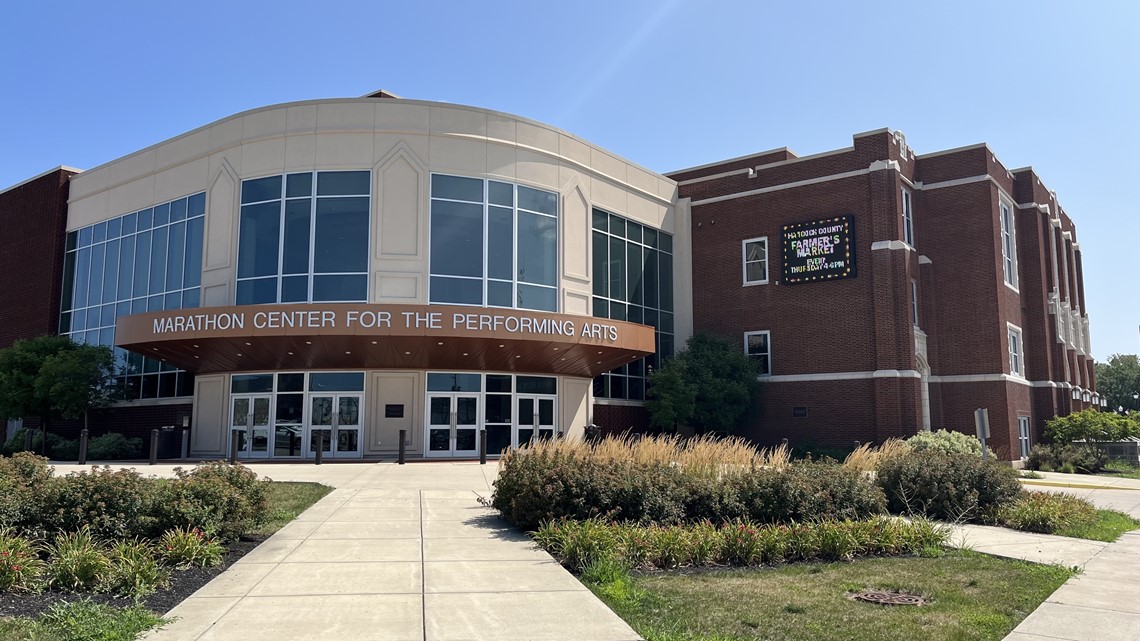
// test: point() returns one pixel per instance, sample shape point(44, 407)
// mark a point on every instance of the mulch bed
point(183, 583)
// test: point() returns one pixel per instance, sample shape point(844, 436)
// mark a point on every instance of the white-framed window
point(758, 346)
point(755, 260)
point(907, 217)
point(914, 301)
point(1016, 364)
point(1008, 244)
point(1023, 435)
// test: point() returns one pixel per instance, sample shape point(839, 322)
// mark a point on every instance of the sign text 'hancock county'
point(819, 250)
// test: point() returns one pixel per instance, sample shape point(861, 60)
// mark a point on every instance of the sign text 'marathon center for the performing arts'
point(323, 318)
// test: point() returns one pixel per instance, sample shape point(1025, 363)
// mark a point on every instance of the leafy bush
point(1089, 426)
point(947, 486)
point(134, 570)
point(220, 499)
point(592, 544)
point(549, 484)
point(21, 569)
point(113, 504)
point(1046, 513)
point(76, 561)
point(22, 480)
point(1068, 458)
point(947, 441)
point(192, 548)
point(114, 447)
point(58, 448)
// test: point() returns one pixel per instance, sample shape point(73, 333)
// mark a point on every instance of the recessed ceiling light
point(308, 342)
point(502, 345)
point(407, 353)
point(239, 353)
point(465, 353)
point(599, 352)
point(196, 356)
point(347, 352)
point(195, 345)
point(373, 342)
point(518, 355)
point(155, 348)
point(248, 343)
point(562, 359)
point(599, 362)
point(556, 349)
point(290, 353)
point(439, 343)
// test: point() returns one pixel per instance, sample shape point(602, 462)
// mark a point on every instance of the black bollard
point(235, 438)
point(403, 447)
point(482, 447)
point(153, 447)
point(185, 443)
point(83, 446)
point(320, 447)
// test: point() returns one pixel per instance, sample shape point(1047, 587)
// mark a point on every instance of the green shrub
point(807, 491)
point(114, 447)
point(76, 561)
point(947, 441)
point(113, 504)
point(1091, 425)
point(218, 498)
point(1068, 458)
point(21, 569)
point(601, 545)
point(182, 548)
point(88, 621)
point(1046, 512)
point(58, 448)
point(22, 480)
point(947, 486)
point(134, 570)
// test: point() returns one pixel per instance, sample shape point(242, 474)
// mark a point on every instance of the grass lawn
point(1122, 470)
point(286, 501)
point(1108, 527)
point(974, 597)
point(82, 621)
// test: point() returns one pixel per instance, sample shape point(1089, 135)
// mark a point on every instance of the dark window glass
point(617, 225)
point(158, 240)
point(126, 267)
point(196, 205)
point(456, 238)
point(145, 218)
point(162, 214)
point(498, 439)
point(298, 185)
point(172, 301)
point(253, 191)
point(65, 322)
point(635, 273)
point(650, 237)
point(601, 307)
point(457, 188)
point(544, 202)
point(633, 231)
point(71, 241)
point(617, 311)
point(176, 257)
point(290, 383)
point(540, 298)
point(111, 272)
point(167, 385)
point(192, 275)
point(617, 269)
point(185, 384)
point(191, 298)
point(251, 383)
point(537, 385)
point(601, 262)
point(501, 194)
point(343, 183)
point(666, 243)
point(667, 322)
point(500, 243)
point(651, 279)
point(132, 387)
point(82, 276)
point(635, 314)
point(500, 294)
point(498, 409)
point(340, 288)
point(178, 210)
point(498, 383)
point(155, 303)
point(538, 249)
point(256, 292)
point(336, 382)
point(123, 309)
point(297, 219)
point(142, 264)
point(68, 281)
point(138, 306)
point(95, 285)
point(99, 233)
point(150, 386)
point(294, 289)
point(107, 316)
point(454, 383)
point(85, 236)
point(460, 291)
point(259, 240)
point(150, 366)
point(114, 228)
point(130, 224)
point(666, 282)
point(600, 386)
point(341, 239)
point(601, 220)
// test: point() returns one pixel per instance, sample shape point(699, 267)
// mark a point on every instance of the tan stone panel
point(501, 128)
point(573, 149)
point(301, 119)
point(220, 204)
point(456, 120)
point(530, 134)
point(401, 185)
point(467, 157)
point(575, 234)
point(395, 115)
point(347, 151)
point(501, 161)
point(225, 134)
point(263, 124)
point(300, 152)
point(608, 164)
point(262, 158)
point(90, 209)
point(209, 416)
point(356, 116)
point(183, 148)
point(398, 287)
point(383, 433)
point(608, 196)
point(132, 196)
point(182, 180)
point(537, 169)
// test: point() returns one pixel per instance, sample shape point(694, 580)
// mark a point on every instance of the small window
point(1008, 244)
point(907, 217)
point(755, 261)
point(1023, 435)
point(393, 410)
point(757, 346)
point(1015, 362)
point(914, 302)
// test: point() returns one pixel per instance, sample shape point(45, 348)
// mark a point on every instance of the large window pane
point(295, 289)
point(176, 257)
point(126, 267)
point(457, 188)
point(501, 194)
point(454, 383)
point(158, 241)
point(343, 183)
point(460, 291)
point(259, 239)
point(193, 272)
point(95, 288)
point(636, 271)
point(456, 238)
point(82, 275)
point(299, 185)
point(256, 292)
point(340, 288)
point(666, 288)
point(336, 382)
point(142, 264)
point(68, 281)
point(540, 298)
point(111, 272)
point(541, 201)
point(617, 268)
point(341, 242)
point(601, 264)
point(500, 293)
point(500, 243)
point(253, 191)
point(297, 218)
point(651, 279)
point(538, 249)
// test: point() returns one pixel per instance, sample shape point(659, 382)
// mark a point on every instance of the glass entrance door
point(535, 419)
point(250, 418)
point(334, 425)
point(453, 425)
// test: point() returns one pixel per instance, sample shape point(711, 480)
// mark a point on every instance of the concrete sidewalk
point(394, 553)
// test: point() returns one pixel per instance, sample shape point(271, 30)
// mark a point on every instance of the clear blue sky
point(665, 83)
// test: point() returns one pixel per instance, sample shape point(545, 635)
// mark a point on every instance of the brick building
point(332, 273)
point(944, 282)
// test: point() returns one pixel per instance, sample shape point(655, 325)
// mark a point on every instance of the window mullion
point(311, 281)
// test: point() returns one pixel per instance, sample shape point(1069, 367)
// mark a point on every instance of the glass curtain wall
point(304, 238)
point(633, 281)
point(493, 244)
point(145, 261)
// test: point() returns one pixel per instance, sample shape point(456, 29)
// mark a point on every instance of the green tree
point(710, 385)
point(1090, 426)
point(1118, 381)
point(51, 375)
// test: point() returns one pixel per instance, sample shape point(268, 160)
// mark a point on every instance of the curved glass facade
point(493, 243)
point(145, 261)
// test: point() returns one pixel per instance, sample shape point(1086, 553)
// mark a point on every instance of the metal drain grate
point(888, 598)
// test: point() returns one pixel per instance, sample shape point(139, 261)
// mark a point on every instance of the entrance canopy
point(334, 335)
